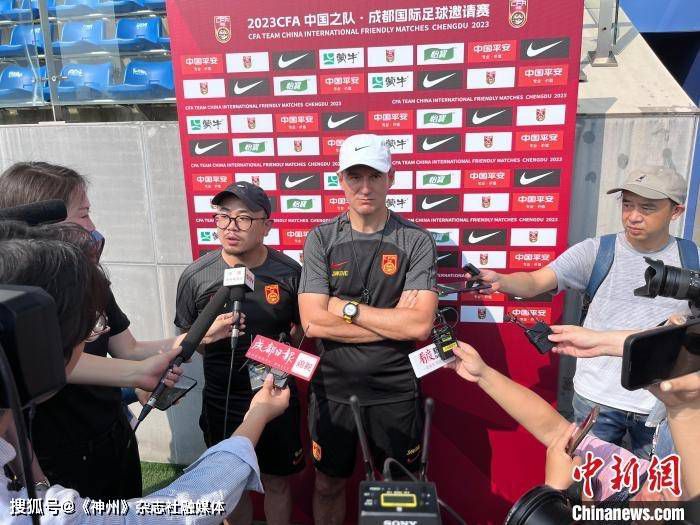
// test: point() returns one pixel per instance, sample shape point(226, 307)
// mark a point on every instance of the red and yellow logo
point(272, 293)
point(390, 263)
point(316, 450)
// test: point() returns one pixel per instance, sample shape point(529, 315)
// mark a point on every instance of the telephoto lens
point(669, 281)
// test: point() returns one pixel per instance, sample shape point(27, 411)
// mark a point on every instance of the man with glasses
point(242, 222)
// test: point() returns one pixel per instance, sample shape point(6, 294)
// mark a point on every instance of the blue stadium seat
point(24, 11)
point(84, 81)
point(136, 34)
point(74, 8)
point(17, 84)
point(164, 41)
point(120, 6)
point(25, 39)
point(155, 5)
point(145, 80)
point(80, 37)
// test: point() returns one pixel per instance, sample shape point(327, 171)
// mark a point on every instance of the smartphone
point(174, 393)
point(655, 355)
point(582, 430)
point(461, 286)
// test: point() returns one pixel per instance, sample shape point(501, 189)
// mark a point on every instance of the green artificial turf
point(157, 475)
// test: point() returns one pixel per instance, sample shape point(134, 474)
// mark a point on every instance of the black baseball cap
point(254, 197)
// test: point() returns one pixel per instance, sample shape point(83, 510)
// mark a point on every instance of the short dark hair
point(28, 182)
point(78, 285)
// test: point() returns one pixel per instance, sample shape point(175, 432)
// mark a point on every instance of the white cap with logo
point(367, 150)
point(655, 182)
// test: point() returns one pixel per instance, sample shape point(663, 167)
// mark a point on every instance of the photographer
point(553, 431)
point(82, 437)
point(607, 270)
point(80, 292)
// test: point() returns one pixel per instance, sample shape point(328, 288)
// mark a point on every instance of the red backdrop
point(478, 102)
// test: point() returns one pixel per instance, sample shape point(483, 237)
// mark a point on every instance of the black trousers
point(107, 467)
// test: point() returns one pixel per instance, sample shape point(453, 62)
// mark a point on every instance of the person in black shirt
point(81, 436)
point(367, 292)
point(243, 220)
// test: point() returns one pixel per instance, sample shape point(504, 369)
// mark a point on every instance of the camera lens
point(669, 281)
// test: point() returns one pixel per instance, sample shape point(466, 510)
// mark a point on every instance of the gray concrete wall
point(138, 201)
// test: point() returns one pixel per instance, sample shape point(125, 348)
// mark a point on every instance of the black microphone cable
point(235, 333)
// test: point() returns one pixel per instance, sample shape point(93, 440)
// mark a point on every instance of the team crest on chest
point(390, 263)
point(272, 293)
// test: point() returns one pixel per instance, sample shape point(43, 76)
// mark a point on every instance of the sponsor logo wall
point(477, 102)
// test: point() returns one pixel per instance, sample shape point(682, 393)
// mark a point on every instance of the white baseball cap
point(366, 150)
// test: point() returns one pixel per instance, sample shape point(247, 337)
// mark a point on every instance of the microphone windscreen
point(53, 210)
point(204, 320)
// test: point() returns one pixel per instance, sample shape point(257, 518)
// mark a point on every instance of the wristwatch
point(350, 311)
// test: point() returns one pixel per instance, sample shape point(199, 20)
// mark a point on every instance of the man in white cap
point(367, 292)
point(606, 270)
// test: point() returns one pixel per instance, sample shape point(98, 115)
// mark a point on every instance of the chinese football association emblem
point(488, 141)
point(316, 450)
point(222, 28)
point(204, 88)
point(251, 122)
point(247, 61)
point(272, 293)
point(541, 114)
point(490, 77)
point(517, 13)
point(389, 263)
point(298, 145)
point(481, 313)
point(534, 234)
point(390, 55)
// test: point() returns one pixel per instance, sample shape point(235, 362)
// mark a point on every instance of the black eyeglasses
point(242, 222)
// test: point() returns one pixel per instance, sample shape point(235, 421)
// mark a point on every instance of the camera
point(669, 281)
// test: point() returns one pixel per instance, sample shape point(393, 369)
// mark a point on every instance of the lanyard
point(365, 295)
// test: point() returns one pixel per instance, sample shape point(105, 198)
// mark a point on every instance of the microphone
point(428, 409)
point(189, 344)
point(240, 280)
point(366, 457)
point(53, 210)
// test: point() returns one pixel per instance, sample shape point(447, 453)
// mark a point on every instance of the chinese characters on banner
point(477, 101)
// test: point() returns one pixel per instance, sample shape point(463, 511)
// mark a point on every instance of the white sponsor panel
point(204, 88)
point(486, 202)
point(207, 237)
point(341, 58)
point(533, 237)
point(300, 203)
point(390, 56)
point(481, 314)
point(253, 147)
point(439, 118)
point(491, 77)
point(272, 238)
point(247, 62)
point(295, 85)
point(403, 180)
point(253, 123)
point(207, 124)
point(399, 144)
point(438, 179)
point(298, 146)
point(440, 54)
point(297, 255)
point(541, 115)
point(445, 236)
point(202, 204)
point(392, 82)
point(331, 181)
point(485, 259)
point(488, 142)
point(267, 181)
point(399, 202)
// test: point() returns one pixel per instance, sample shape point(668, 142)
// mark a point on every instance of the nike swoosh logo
point(338, 266)
point(292, 183)
point(202, 151)
point(238, 90)
point(532, 52)
point(427, 146)
point(286, 63)
point(332, 124)
point(441, 257)
point(427, 83)
point(361, 147)
point(476, 119)
point(527, 180)
point(474, 240)
point(430, 205)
